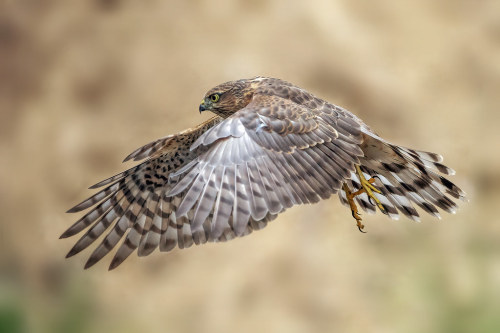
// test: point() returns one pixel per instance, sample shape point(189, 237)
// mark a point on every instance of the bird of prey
point(270, 146)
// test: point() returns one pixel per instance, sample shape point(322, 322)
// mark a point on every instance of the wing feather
point(269, 163)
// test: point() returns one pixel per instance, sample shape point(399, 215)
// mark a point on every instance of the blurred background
point(83, 83)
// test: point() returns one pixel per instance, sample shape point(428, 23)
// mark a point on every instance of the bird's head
point(228, 97)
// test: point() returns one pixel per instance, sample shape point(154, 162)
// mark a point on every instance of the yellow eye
point(214, 97)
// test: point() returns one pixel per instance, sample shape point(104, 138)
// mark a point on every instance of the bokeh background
point(83, 83)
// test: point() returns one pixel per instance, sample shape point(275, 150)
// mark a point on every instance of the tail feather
point(424, 164)
point(428, 156)
point(395, 195)
point(405, 177)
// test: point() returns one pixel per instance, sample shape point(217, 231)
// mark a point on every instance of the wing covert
point(262, 160)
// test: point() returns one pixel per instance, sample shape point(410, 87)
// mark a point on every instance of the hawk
point(270, 146)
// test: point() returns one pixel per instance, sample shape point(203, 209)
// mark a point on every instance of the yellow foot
point(368, 188)
point(354, 209)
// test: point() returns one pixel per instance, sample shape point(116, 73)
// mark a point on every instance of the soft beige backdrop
point(83, 83)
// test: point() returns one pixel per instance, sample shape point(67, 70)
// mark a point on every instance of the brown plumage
point(271, 146)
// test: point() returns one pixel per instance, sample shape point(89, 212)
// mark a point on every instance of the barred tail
point(408, 180)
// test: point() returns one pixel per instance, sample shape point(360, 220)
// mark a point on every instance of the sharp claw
point(360, 226)
point(354, 209)
point(368, 188)
point(382, 209)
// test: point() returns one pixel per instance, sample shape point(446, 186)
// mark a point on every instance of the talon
point(368, 188)
point(372, 202)
point(354, 209)
point(360, 226)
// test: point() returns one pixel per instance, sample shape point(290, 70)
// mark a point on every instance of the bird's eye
point(214, 97)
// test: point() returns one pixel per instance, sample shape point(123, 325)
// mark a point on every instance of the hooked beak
point(202, 106)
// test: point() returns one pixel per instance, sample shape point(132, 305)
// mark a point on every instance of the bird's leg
point(368, 188)
point(354, 209)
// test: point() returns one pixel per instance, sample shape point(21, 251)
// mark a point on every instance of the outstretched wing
point(223, 179)
point(135, 204)
point(265, 158)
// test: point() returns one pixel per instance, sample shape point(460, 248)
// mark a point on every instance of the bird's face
point(227, 98)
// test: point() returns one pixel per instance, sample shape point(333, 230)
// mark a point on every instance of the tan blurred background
point(83, 83)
